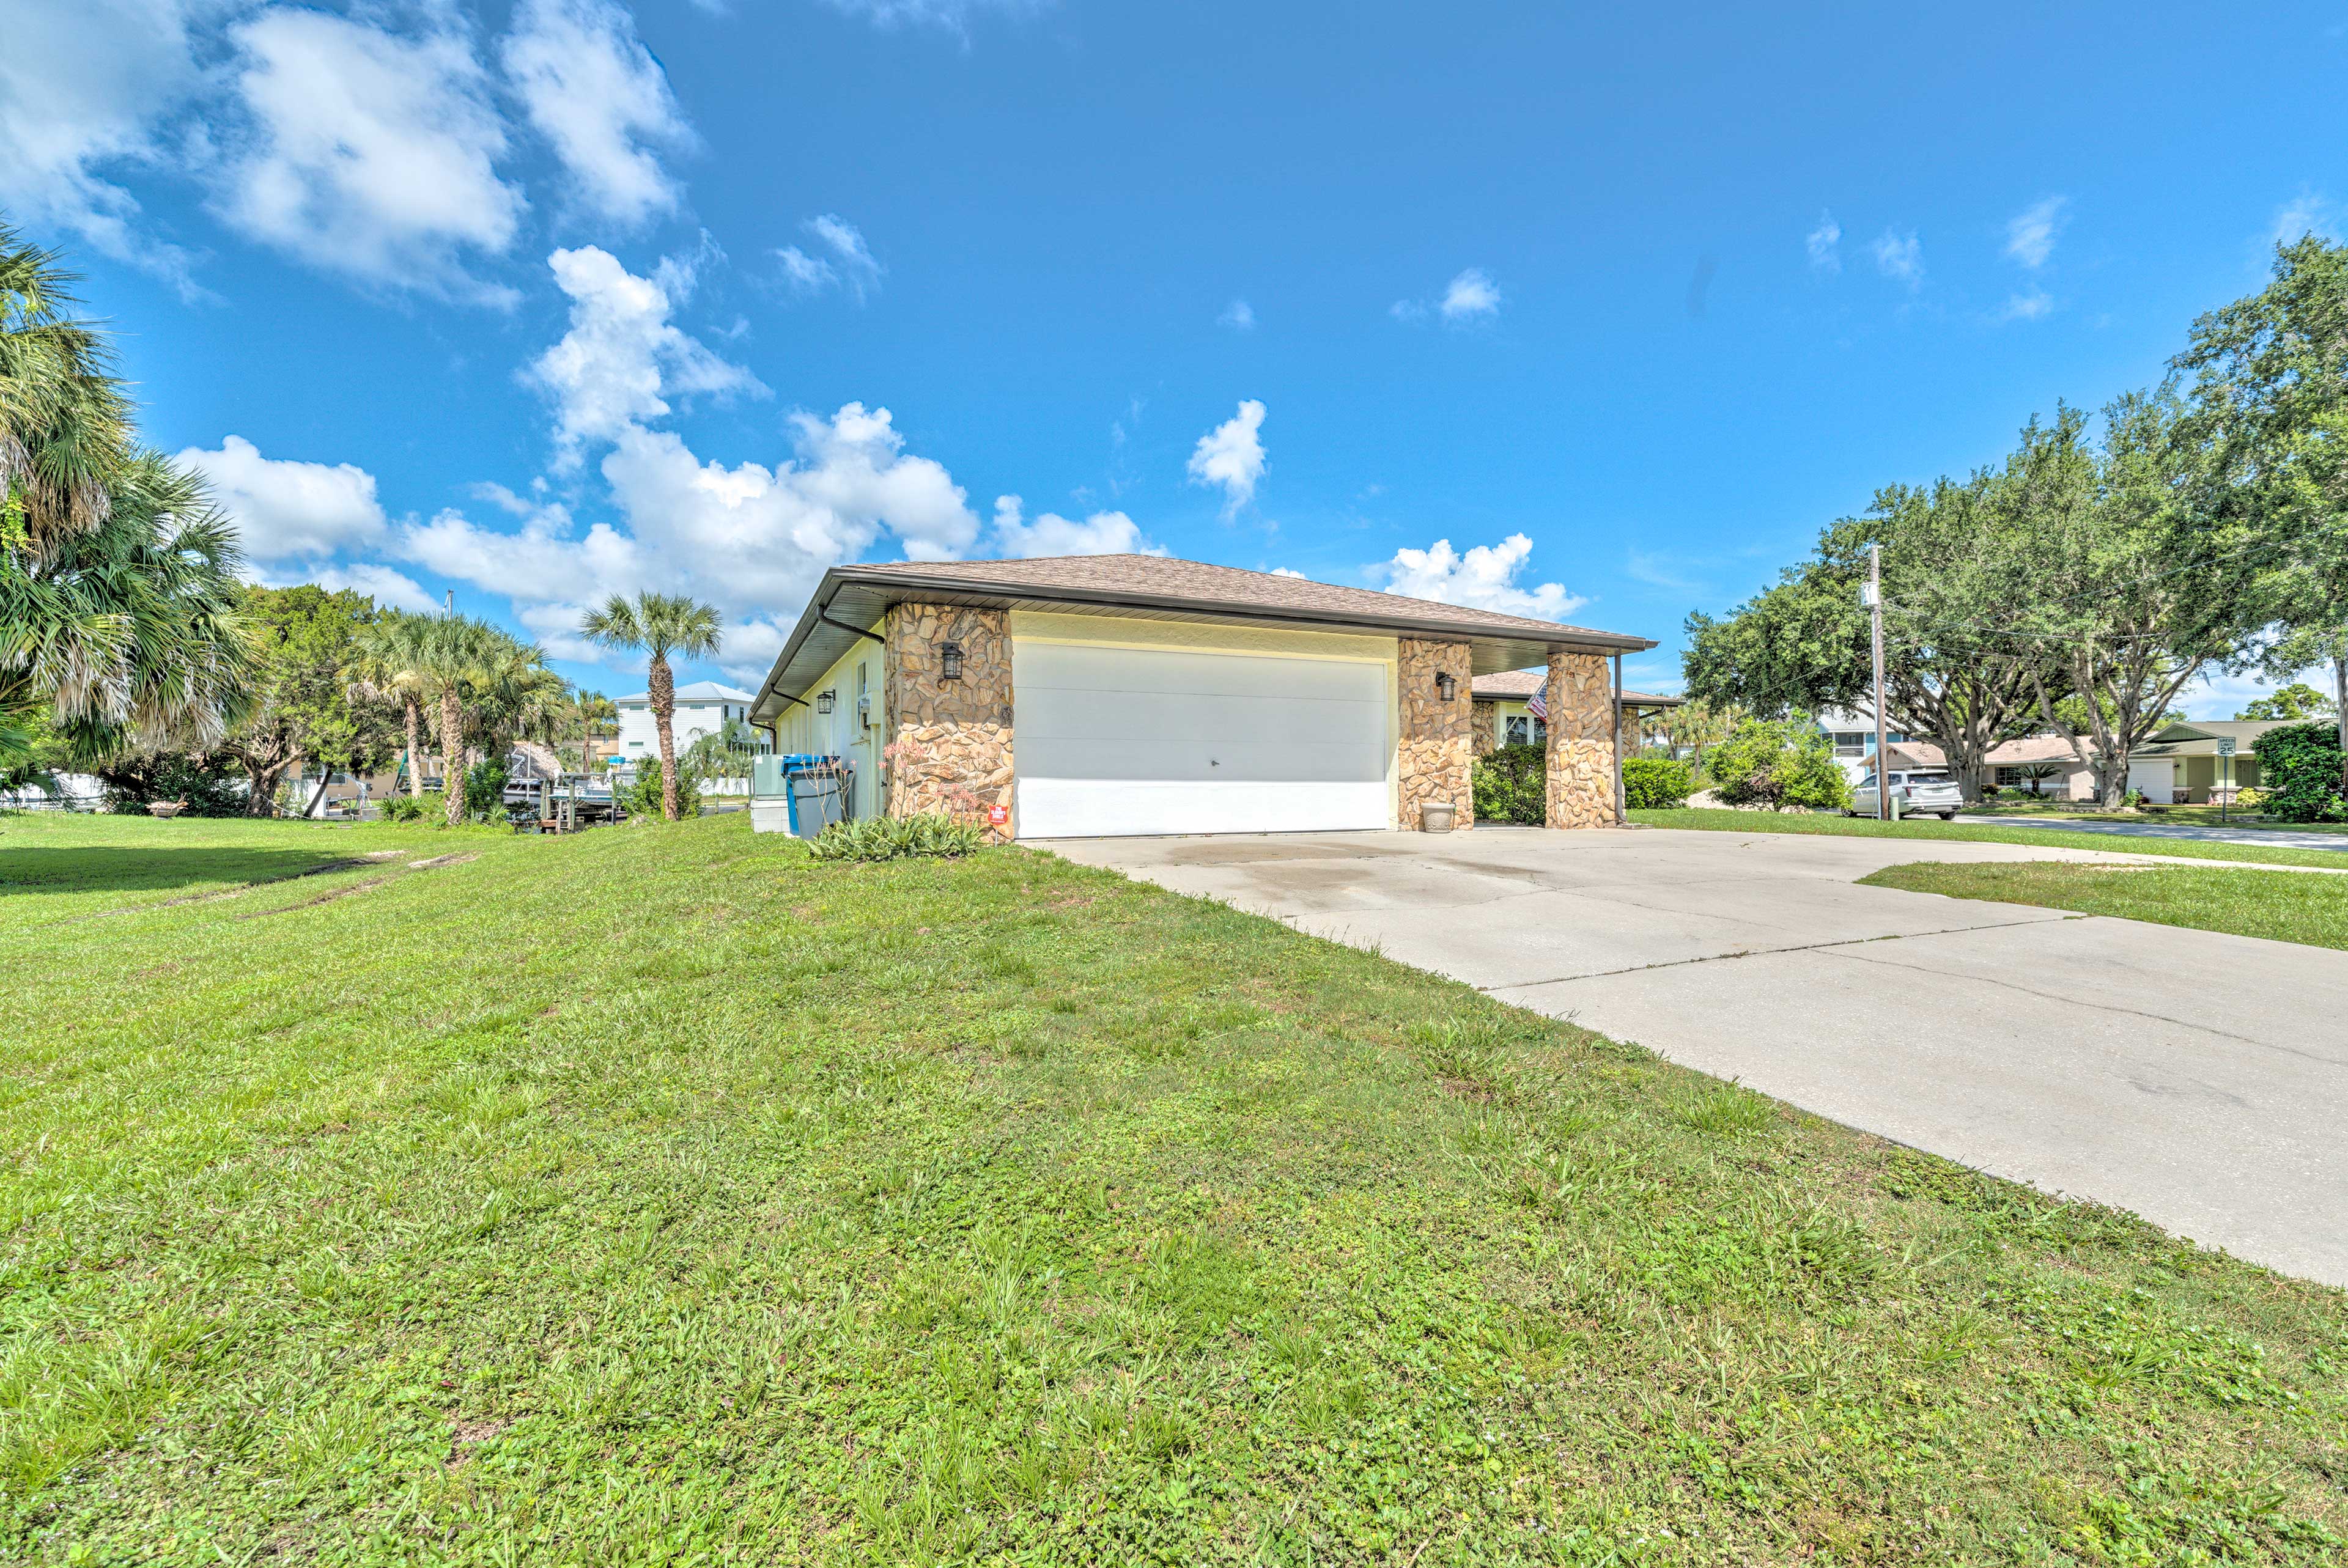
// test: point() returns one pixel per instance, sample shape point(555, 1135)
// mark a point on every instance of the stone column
point(1580, 699)
point(949, 748)
point(1485, 720)
point(1434, 754)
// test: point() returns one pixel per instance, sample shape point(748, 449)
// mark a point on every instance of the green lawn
point(2283, 905)
point(2187, 815)
point(659, 1195)
point(1721, 821)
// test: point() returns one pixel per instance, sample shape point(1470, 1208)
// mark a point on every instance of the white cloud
point(86, 87)
point(841, 260)
point(1101, 534)
point(748, 538)
point(622, 358)
point(1238, 315)
point(602, 101)
point(1232, 455)
point(1899, 255)
point(2029, 307)
point(951, 16)
point(1825, 244)
point(1471, 295)
point(386, 587)
point(1485, 578)
point(2309, 213)
point(2030, 236)
point(369, 153)
point(290, 510)
point(1287, 572)
point(1407, 311)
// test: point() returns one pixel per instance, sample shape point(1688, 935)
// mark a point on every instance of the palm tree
point(596, 715)
point(659, 624)
point(451, 656)
point(129, 632)
point(118, 591)
point(66, 439)
point(389, 661)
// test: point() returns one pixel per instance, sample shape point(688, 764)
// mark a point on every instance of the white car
point(1915, 795)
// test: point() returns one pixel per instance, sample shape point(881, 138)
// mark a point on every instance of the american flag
point(1536, 707)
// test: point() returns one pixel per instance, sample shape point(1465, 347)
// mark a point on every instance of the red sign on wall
point(998, 815)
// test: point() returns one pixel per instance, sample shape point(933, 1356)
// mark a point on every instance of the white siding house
point(702, 708)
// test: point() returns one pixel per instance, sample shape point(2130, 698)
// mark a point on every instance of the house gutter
point(819, 613)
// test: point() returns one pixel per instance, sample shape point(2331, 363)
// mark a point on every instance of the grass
point(2280, 906)
point(1721, 821)
point(2185, 816)
point(660, 1195)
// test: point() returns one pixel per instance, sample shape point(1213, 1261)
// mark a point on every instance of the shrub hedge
point(1510, 784)
point(1656, 783)
point(2299, 772)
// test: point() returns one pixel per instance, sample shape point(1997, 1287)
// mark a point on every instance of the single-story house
point(703, 708)
point(1511, 710)
point(2181, 763)
point(1094, 696)
point(2012, 765)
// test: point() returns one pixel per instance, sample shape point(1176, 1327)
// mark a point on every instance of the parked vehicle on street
point(1916, 793)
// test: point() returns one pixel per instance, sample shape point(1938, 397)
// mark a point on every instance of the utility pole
point(1872, 597)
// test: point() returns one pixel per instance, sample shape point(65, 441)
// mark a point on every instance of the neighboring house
point(1507, 713)
point(1853, 733)
point(2181, 763)
point(1097, 695)
point(2011, 765)
point(703, 708)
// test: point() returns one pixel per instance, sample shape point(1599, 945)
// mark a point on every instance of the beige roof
point(1196, 582)
point(2004, 755)
point(851, 600)
point(1515, 685)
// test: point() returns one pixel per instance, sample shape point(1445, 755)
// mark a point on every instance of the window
point(1520, 730)
point(1541, 730)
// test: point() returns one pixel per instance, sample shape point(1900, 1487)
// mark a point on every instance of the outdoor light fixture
point(824, 700)
point(949, 661)
point(1446, 683)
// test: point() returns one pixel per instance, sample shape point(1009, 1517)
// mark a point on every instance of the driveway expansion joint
point(2046, 919)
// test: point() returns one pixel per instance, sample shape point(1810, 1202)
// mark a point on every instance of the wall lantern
point(1446, 685)
point(949, 661)
point(824, 700)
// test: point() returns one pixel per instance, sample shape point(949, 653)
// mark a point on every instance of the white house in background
point(1854, 738)
point(702, 708)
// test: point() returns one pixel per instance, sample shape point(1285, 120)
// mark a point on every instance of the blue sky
point(1597, 316)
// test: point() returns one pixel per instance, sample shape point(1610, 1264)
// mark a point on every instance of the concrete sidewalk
point(2198, 1079)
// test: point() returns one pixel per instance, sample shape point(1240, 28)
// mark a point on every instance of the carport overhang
point(850, 603)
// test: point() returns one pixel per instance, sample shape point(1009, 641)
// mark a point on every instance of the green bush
point(1654, 784)
point(206, 785)
point(432, 806)
point(2299, 771)
point(1510, 784)
point(642, 798)
point(484, 790)
point(897, 838)
point(1779, 763)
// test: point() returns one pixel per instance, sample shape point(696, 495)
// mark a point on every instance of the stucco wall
point(1435, 751)
point(1581, 701)
point(950, 747)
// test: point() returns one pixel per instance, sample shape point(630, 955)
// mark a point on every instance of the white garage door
point(1109, 741)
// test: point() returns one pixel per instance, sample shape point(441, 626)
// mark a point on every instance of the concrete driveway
point(2198, 1079)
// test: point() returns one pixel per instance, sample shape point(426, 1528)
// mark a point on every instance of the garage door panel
point(1129, 741)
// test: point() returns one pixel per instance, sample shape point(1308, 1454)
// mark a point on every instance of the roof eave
point(914, 583)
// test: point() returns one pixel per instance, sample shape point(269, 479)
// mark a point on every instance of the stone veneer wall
point(1485, 718)
point(1433, 753)
point(1580, 699)
point(949, 743)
